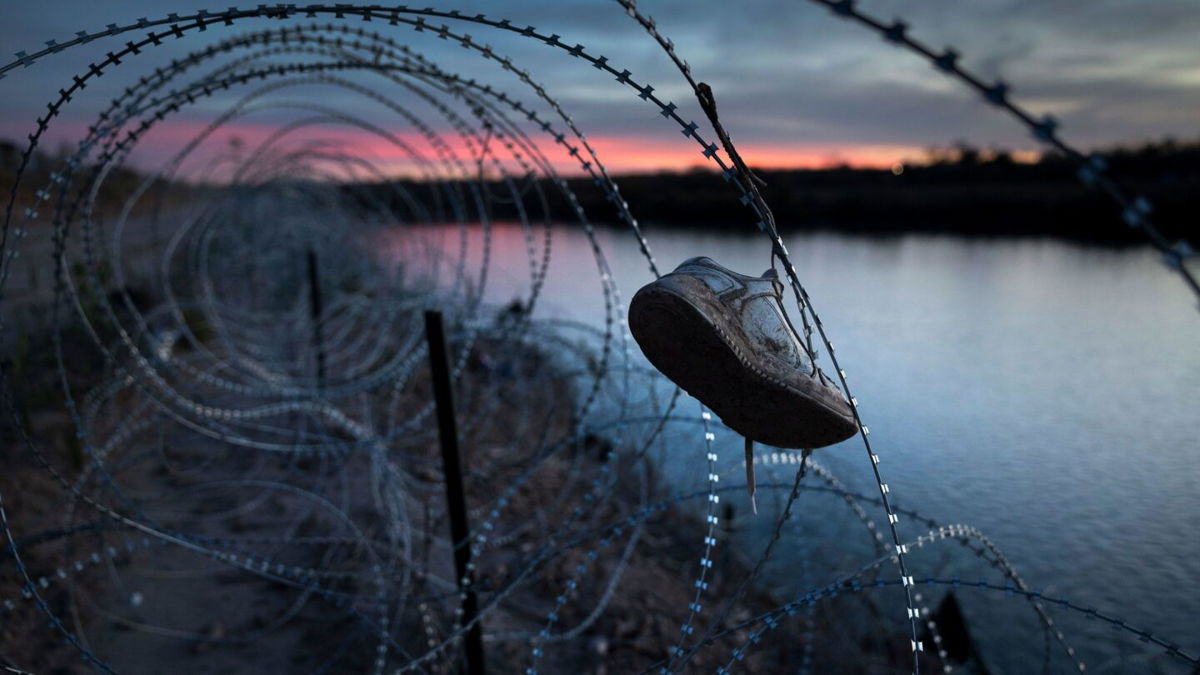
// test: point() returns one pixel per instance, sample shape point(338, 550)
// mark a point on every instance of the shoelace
point(750, 471)
point(750, 475)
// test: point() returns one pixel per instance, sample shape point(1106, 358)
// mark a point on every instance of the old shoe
point(724, 338)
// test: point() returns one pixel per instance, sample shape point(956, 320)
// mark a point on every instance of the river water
point(1045, 392)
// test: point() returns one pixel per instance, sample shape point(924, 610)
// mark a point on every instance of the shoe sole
point(679, 339)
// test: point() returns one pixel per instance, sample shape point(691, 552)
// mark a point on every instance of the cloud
point(789, 76)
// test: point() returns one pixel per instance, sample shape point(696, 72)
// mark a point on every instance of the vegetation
point(961, 190)
point(118, 185)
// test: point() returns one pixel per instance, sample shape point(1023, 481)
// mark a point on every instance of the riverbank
point(136, 599)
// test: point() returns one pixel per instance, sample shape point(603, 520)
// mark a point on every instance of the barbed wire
point(210, 382)
point(1090, 168)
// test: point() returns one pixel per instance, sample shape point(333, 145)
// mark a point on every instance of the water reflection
point(1042, 391)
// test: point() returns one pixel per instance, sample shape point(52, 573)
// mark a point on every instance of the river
point(1045, 392)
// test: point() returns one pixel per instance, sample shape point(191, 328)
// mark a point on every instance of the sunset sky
point(796, 86)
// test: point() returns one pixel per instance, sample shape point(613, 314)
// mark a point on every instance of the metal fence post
point(314, 298)
point(459, 529)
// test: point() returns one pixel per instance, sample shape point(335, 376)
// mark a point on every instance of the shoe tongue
point(773, 276)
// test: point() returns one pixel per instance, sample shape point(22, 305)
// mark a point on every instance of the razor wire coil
point(244, 388)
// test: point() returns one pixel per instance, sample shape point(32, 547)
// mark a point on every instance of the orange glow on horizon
point(620, 154)
point(629, 155)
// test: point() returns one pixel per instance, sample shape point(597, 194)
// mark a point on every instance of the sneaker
point(724, 338)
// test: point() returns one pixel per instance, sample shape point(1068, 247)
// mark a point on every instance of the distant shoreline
point(964, 192)
point(967, 193)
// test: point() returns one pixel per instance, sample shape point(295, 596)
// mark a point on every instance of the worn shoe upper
point(725, 339)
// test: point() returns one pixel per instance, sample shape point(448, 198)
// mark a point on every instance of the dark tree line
point(966, 192)
point(962, 191)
